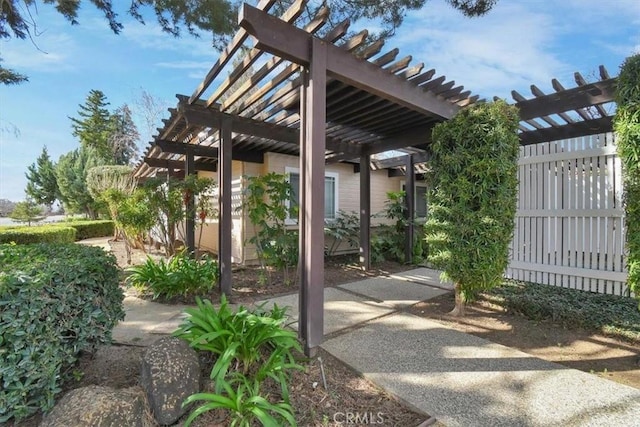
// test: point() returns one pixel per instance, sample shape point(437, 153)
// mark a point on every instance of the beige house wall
point(348, 200)
point(209, 239)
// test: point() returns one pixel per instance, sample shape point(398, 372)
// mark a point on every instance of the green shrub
point(55, 301)
point(89, 229)
point(257, 345)
point(181, 275)
point(41, 234)
point(345, 228)
point(609, 314)
point(473, 170)
point(627, 127)
point(387, 243)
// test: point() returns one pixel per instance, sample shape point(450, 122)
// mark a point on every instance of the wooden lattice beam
point(292, 43)
point(571, 130)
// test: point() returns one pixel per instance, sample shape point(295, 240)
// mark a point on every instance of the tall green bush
point(56, 300)
point(627, 128)
point(473, 171)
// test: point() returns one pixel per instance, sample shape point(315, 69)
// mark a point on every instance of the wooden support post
point(190, 223)
point(410, 186)
point(224, 208)
point(365, 213)
point(302, 294)
point(312, 206)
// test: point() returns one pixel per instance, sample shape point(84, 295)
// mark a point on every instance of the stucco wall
point(348, 192)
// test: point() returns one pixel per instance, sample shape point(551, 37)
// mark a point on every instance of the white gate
point(569, 224)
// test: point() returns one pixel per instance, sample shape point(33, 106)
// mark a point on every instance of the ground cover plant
point(608, 314)
point(181, 275)
point(56, 300)
point(250, 347)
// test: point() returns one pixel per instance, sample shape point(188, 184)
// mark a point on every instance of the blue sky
point(519, 43)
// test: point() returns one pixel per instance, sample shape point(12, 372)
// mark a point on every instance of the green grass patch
point(609, 314)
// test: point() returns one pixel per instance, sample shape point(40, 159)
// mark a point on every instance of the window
point(420, 199)
point(330, 192)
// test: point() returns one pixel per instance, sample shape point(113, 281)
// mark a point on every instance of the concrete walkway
point(460, 379)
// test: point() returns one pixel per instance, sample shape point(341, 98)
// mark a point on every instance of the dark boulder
point(170, 373)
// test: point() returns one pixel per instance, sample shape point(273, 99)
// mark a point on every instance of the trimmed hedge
point(89, 229)
point(56, 300)
point(609, 314)
point(23, 235)
point(60, 232)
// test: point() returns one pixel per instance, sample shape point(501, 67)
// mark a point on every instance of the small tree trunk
point(127, 248)
point(458, 310)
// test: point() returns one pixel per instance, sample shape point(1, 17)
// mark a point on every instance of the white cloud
point(490, 55)
point(46, 53)
point(151, 36)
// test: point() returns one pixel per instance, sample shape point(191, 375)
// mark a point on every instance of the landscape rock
point(97, 406)
point(170, 373)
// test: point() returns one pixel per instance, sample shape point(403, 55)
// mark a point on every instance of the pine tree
point(42, 185)
point(94, 127)
point(27, 211)
point(71, 173)
point(124, 136)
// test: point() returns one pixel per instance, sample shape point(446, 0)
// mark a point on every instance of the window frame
point(336, 193)
point(423, 184)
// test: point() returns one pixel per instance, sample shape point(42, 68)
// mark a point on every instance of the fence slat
point(569, 224)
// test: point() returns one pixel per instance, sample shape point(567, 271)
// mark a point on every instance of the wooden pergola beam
point(207, 117)
point(178, 165)
point(571, 130)
point(569, 99)
point(251, 156)
point(286, 41)
point(226, 55)
point(394, 162)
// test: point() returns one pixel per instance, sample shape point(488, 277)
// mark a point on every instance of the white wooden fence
point(569, 225)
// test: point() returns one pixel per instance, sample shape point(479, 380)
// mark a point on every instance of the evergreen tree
point(94, 127)
point(42, 185)
point(27, 211)
point(124, 136)
point(71, 173)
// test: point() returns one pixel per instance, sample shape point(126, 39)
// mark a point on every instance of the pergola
point(313, 93)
